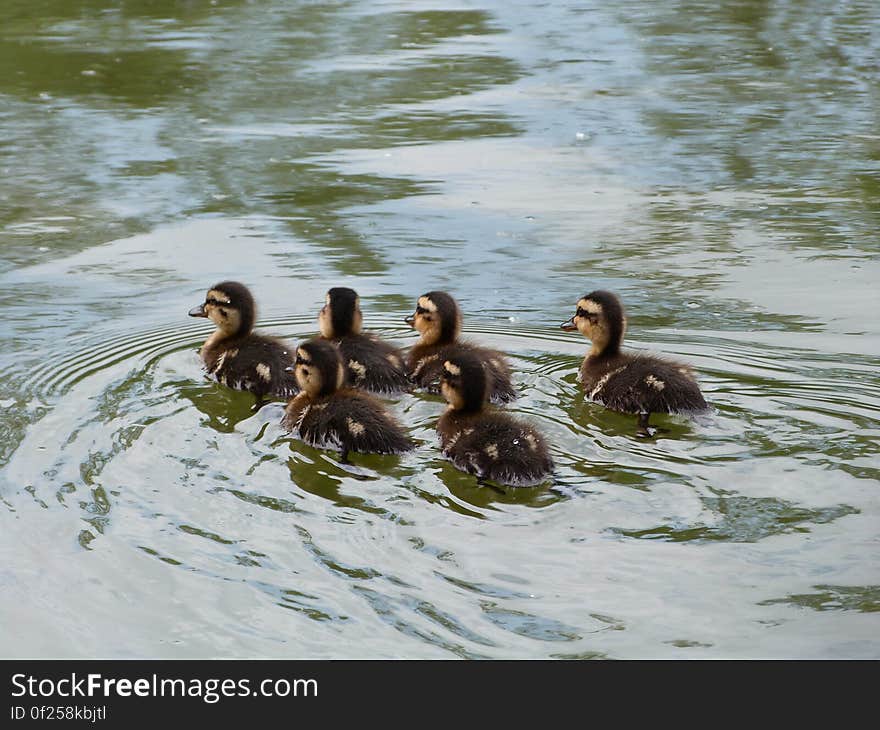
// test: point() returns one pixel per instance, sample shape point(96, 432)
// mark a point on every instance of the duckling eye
point(591, 316)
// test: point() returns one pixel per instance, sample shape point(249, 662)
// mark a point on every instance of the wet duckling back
point(438, 320)
point(236, 357)
point(371, 363)
point(490, 444)
point(327, 414)
point(629, 383)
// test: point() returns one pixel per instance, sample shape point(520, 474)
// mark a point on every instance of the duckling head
point(465, 383)
point(341, 313)
point(318, 368)
point(230, 306)
point(599, 317)
point(437, 318)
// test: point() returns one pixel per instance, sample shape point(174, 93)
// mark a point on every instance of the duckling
point(236, 357)
point(438, 320)
point(492, 445)
point(372, 364)
point(629, 383)
point(328, 415)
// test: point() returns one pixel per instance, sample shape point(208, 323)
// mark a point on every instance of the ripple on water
point(180, 470)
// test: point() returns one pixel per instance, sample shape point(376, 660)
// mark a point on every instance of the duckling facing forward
point(328, 415)
point(372, 364)
point(236, 357)
point(438, 320)
point(641, 384)
point(492, 445)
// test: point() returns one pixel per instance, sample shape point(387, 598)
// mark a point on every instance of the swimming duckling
point(328, 415)
point(372, 364)
point(492, 445)
point(438, 320)
point(630, 383)
point(236, 357)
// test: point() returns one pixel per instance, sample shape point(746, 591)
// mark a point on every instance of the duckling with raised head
point(372, 364)
point(625, 382)
point(326, 414)
point(491, 444)
point(438, 320)
point(236, 357)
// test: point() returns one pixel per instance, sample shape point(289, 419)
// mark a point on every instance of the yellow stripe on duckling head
point(219, 296)
point(426, 303)
point(588, 305)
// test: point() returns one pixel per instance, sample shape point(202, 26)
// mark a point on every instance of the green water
point(718, 167)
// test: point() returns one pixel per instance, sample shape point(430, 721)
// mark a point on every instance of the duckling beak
point(568, 325)
point(411, 320)
point(198, 311)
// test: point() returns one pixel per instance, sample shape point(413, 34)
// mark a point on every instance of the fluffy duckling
point(328, 415)
point(630, 383)
point(236, 357)
point(438, 320)
point(492, 445)
point(372, 364)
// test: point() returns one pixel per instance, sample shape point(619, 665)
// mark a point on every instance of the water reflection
point(164, 113)
point(715, 165)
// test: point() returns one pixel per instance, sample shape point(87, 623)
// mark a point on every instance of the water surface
point(718, 167)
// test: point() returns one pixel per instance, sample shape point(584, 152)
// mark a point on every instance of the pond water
point(718, 167)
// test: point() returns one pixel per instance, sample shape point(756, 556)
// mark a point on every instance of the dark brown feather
point(495, 446)
point(234, 363)
point(425, 363)
point(349, 420)
point(373, 364)
point(642, 384)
